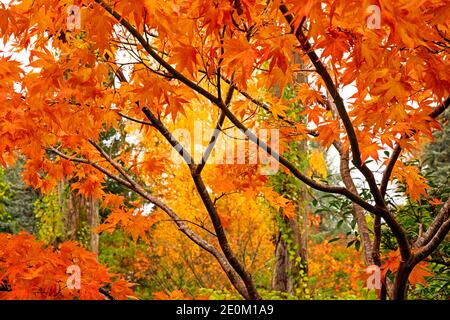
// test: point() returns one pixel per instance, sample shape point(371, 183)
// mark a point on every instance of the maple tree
point(25, 265)
point(157, 66)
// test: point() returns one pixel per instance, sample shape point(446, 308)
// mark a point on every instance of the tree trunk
point(399, 290)
point(281, 281)
point(93, 219)
point(358, 212)
point(286, 271)
point(286, 275)
point(72, 216)
point(79, 211)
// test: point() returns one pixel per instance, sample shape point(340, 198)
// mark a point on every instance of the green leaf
point(350, 243)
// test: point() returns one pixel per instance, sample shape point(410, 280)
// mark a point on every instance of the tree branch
point(215, 135)
point(135, 120)
point(132, 185)
point(93, 164)
point(398, 149)
point(329, 83)
point(380, 210)
point(358, 212)
point(265, 106)
point(338, 102)
point(211, 209)
point(223, 261)
point(169, 137)
point(433, 229)
point(426, 250)
point(195, 224)
point(177, 75)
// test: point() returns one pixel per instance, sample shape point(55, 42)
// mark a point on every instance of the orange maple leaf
point(417, 275)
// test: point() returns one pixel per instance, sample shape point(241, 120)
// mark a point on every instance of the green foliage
point(298, 271)
point(294, 190)
point(83, 234)
point(16, 201)
point(282, 182)
point(50, 217)
point(330, 294)
point(119, 252)
point(417, 216)
point(232, 295)
point(337, 219)
point(113, 141)
point(5, 194)
point(438, 286)
point(436, 156)
point(218, 294)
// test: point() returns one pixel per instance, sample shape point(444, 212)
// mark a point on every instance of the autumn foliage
point(321, 75)
point(31, 271)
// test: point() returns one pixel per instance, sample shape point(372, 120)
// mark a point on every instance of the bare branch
point(215, 135)
point(438, 221)
point(195, 224)
point(93, 164)
point(135, 120)
point(169, 137)
point(440, 235)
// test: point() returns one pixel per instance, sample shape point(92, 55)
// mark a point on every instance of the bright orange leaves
point(417, 275)
point(134, 222)
point(416, 186)
point(29, 270)
point(179, 58)
point(333, 266)
point(400, 70)
point(174, 295)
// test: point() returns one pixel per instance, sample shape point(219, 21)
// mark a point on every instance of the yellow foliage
point(335, 267)
point(317, 163)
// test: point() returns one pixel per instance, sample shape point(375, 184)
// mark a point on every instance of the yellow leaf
point(317, 163)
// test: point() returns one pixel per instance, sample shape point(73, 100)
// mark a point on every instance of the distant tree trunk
point(72, 216)
point(79, 211)
point(286, 275)
point(358, 212)
point(281, 281)
point(92, 219)
point(286, 271)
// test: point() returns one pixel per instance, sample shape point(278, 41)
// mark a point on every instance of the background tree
point(16, 201)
